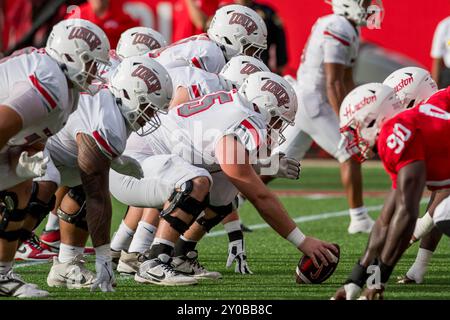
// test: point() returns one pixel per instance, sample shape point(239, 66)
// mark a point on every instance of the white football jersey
point(198, 82)
point(97, 116)
point(191, 130)
point(33, 84)
point(333, 39)
point(440, 47)
point(198, 51)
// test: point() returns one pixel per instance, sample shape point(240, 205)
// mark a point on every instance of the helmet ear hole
point(411, 104)
point(371, 124)
point(68, 57)
point(125, 94)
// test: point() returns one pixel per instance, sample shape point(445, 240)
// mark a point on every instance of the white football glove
point(105, 275)
point(236, 253)
point(127, 166)
point(279, 166)
point(31, 167)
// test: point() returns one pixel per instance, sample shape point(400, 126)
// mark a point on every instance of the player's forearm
point(272, 211)
point(436, 69)
point(335, 94)
point(377, 237)
point(98, 214)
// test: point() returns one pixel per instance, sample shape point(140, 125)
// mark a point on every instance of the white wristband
point(423, 226)
point(296, 237)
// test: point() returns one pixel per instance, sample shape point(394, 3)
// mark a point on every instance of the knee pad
point(78, 218)
point(220, 211)
point(182, 199)
point(441, 216)
point(37, 208)
point(9, 212)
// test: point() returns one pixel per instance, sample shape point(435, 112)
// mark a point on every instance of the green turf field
point(273, 259)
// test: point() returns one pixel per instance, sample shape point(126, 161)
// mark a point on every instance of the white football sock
point(122, 238)
point(52, 222)
point(232, 226)
point(5, 267)
point(358, 213)
point(68, 252)
point(143, 238)
point(420, 265)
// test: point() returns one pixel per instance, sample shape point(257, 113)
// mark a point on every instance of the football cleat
point(72, 274)
point(361, 224)
point(129, 263)
point(414, 275)
point(12, 285)
point(51, 239)
point(159, 271)
point(31, 250)
point(189, 265)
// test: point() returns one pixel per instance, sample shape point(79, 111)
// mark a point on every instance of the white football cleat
point(159, 271)
point(189, 265)
point(72, 274)
point(415, 275)
point(362, 224)
point(12, 285)
point(129, 262)
point(31, 250)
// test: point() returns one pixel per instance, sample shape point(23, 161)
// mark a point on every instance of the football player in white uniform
point(140, 224)
point(133, 42)
point(83, 152)
point(187, 171)
point(324, 78)
point(38, 91)
point(234, 30)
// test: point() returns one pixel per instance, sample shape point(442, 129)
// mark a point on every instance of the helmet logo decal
point(249, 69)
point(404, 83)
point(86, 35)
point(243, 20)
point(278, 91)
point(349, 111)
point(149, 77)
point(147, 40)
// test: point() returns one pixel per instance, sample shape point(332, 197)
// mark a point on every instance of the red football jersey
point(420, 133)
point(114, 21)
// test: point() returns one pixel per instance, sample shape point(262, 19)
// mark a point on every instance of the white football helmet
point(363, 113)
point(355, 10)
point(412, 85)
point(143, 89)
point(240, 67)
point(274, 98)
point(82, 50)
point(139, 40)
point(238, 30)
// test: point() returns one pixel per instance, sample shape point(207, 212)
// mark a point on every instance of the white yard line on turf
point(313, 217)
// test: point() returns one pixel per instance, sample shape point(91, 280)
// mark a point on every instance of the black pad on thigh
point(182, 200)
point(220, 211)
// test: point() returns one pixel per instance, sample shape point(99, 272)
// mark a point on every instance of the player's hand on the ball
point(340, 294)
point(236, 253)
point(105, 276)
point(319, 251)
point(32, 166)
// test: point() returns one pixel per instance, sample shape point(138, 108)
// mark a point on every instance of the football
point(307, 273)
